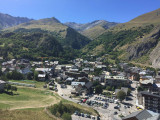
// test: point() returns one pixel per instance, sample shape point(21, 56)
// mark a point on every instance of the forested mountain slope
point(136, 40)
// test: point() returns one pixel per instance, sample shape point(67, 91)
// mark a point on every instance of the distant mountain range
point(7, 21)
point(136, 41)
point(92, 29)
point(64, 34)
point(39, 38)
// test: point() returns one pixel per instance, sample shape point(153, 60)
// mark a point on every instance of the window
point(155, 98)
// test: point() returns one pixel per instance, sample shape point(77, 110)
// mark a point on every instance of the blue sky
point(80, 11)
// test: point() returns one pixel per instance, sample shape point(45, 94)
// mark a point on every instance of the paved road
point(64, 93)
point(106, 114)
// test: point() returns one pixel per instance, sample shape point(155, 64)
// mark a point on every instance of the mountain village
point(80, 64)
point(115, 91)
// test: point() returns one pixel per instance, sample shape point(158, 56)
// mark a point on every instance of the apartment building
point(117, 81)
point(149, 101)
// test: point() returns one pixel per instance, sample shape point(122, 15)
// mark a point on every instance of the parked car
point(76, 113)
point(51, 87)
point(84, 100)
point(79, 114)
point(85, 115)
point(93, 118)
point(104, 107)
point(82, 114)
point(125, 106)
point(116, 107)
point(98, 117)
point(88, 116)
point(115, 113)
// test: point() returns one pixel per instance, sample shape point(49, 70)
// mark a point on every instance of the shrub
point(64, 110)
point(66, 116)
point(98, 89)
point(121, 95)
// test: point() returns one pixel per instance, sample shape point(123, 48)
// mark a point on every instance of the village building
point(76, 74)
point(149, 101)
point(146, 83)
point(117, 81)
point(83, 79)
point(69, 80)
point(74, 84)
point(142, 115)
point(88, 70)
point(2, 85)
point(43, 73)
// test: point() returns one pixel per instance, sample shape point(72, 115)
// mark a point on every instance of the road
point(65, 93)
point(106, 114)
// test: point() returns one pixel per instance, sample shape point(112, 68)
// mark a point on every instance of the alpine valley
point(137, 41)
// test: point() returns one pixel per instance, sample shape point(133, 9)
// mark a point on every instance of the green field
point(28, 103)
point(27, 98)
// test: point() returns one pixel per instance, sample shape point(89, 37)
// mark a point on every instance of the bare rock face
point(155, 56)
point(7, 21)
point(145, 45)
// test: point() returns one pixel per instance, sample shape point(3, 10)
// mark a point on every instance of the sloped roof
point(156, 117)
point(1, 82)
point(139, 115)
point(77, 83)
point(88, 85)
point(70, 79)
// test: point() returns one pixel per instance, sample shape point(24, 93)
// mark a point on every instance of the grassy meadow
point(27, 98)
point(28, 103)
point(26, 114)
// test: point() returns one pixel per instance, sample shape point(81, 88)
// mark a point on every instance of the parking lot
point(82, 116)
point(75, 117)
point(108, 108)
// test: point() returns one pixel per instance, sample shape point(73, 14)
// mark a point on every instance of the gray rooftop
point(148, 93)
point(1, 82)
point(156, 117)
point(139, 115)
point(89, 85)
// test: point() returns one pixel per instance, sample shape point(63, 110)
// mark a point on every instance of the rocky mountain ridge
point(7, 21)
point(92, 29)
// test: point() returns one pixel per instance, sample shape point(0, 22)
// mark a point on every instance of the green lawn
point(28, 103)
point(27, 98)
